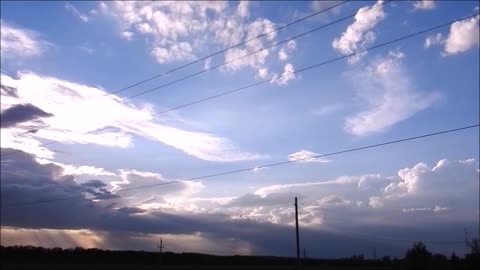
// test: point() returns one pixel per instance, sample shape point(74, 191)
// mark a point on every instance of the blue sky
point(62, 58)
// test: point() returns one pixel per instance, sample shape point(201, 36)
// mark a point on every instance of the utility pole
point(160, 247)
point(374, 254)
point(296, 229)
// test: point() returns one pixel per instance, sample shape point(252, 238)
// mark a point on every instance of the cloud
point(242, 9)
point(463, 36)
point(287, 75)
point(424, 5)
point(72, 9)
point(433, 40)
point(78, 109)
point(283, 53)
point(329, 211)
point(328, 109)
point(21, 113)
point(19, 42)
point(358, 35)
point(127, 35)
point(306, 156)
point(390, 93)
point(186, 30)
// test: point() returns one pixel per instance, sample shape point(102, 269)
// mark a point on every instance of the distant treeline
point(416, 257)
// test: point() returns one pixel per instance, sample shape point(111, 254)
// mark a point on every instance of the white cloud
point(20, 42)
point(433, 40)
point(328, 109)
point(424, 4)
point(242, 9)
point(463, 36)
point(287, 75)
point(181, 30)
point(78, 109)
point(86, 49)
point(390, 93)
point(448, 187)
point(283, 53)
point(71, 8)
point(358, 35)
point(127, 35)
point(306, 156)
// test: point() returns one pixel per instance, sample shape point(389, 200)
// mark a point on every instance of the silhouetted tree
point(418, 256)
point(473, 258)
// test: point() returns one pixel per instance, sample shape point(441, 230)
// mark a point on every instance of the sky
point(71, 126)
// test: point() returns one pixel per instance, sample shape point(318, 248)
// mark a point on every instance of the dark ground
point(27, 257)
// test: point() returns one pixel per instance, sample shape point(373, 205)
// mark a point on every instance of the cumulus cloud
point(463, 36)
point(359, 34)
point(287, 75)
point(330, 210)
point(433, 40)
point(447, 191)
point(18, 42)
point(79, 109)
point(185, 30)
point(72, 9)
point(306, 156)
point(391, 94)
point(283, 53)
point(424, 4)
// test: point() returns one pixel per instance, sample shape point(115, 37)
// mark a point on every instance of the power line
point(283, 75)
point(257, 167)
point(231, 47)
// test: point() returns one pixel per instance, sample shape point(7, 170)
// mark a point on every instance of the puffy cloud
point(306, 156)
point(72, 9)
point(358, 35)
point(424, 4)
point(80, 109)
point(127, 35)
point(434, 40)
point(20, 42)
point(387, 88)
point(448, 191)
point(287, 75)
point(283, 53)
point(463, 36)
point(21, 113)
point(242, 9)
point(329, 210)
point(180, 30)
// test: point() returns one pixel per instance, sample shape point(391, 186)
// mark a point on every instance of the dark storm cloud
point(21, 113)
point(94, 184)
point(8, 91)
point(25, 180)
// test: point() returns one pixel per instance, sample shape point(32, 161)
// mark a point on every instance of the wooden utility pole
point(296, 229)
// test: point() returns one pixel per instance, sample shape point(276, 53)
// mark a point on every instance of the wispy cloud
point(78, 109)
point(391, 94)
point(306, 156)
point(19, 42)
point(72, 9)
